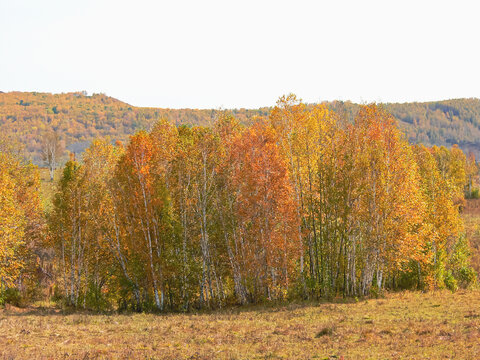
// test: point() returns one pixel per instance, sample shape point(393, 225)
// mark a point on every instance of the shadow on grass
point(278, 306)
point(270, 307)
point(51, 311)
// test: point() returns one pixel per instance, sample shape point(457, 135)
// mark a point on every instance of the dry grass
point(471, 219)
point(47, 187)
point(404, 325)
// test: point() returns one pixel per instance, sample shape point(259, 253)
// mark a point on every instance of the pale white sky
point(214, 53)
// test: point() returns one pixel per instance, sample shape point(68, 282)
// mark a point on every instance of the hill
point(78, 118)
point(439, 123)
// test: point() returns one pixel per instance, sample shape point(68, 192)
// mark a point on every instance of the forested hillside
point(79, 118)
point(444, 123)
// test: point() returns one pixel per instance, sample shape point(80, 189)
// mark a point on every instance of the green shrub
point(450, 282)
point(459, 264)
point(10, 296)
point(410, 277)
point(466, 276)
point(475, 194)
point(95, 299)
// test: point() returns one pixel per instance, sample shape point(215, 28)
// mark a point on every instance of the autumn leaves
point(299, 204)
point(355, 188)
point(21, 223)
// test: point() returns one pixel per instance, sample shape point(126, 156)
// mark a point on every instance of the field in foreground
point(402, 325)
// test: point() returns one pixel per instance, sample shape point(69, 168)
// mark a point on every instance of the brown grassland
point(471, 219)
point(437, 325)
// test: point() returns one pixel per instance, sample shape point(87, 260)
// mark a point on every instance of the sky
point(234, 54)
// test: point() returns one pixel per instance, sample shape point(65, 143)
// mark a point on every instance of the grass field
point(437, 325)
point(471, 219)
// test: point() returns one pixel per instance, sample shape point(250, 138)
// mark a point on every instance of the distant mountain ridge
point(79, 118)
